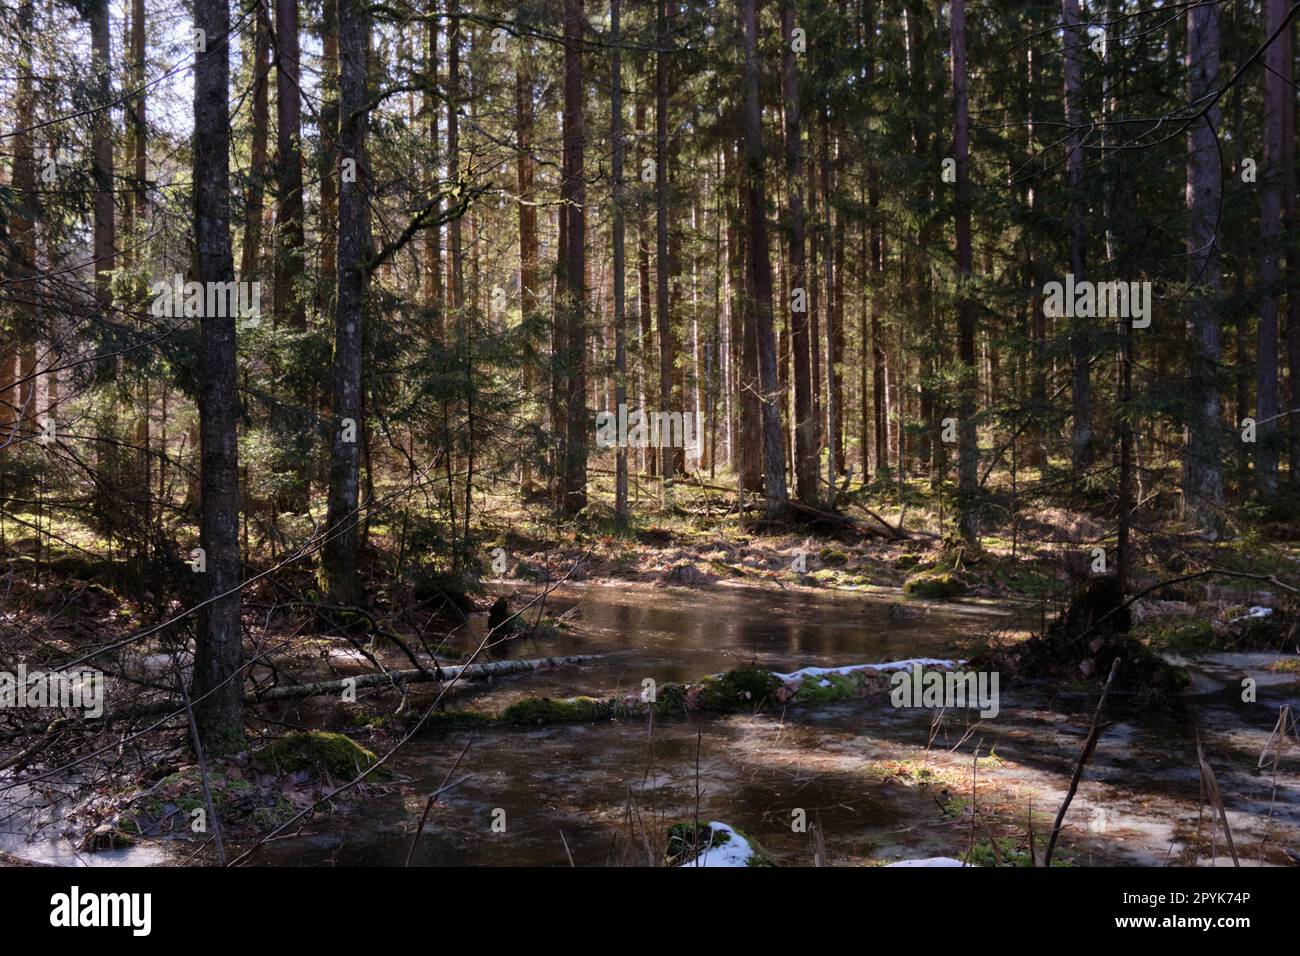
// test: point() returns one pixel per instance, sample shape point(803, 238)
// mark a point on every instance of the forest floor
point(132, 783)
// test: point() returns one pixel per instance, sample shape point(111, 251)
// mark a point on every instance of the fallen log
point(743, 688)
point(439, 672)
point(430, 673)
point(896, 533)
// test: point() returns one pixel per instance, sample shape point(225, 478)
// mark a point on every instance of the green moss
point(189, 802)
point(686, 842)
point(317, 751)
point(934, 584)
point(953, 807)
point(728, 570)
point(1176, 634)
point(829, 555)
point(907, 562)
point(543, 710)
point(268, 818)
point(670, 700)
point(1026, 578)
point(757, 855)
point(837, 687)
point(744, 688)
point(982, 855)
point(1286, 665)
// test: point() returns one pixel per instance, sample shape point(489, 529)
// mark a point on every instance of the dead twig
point(1089, 745)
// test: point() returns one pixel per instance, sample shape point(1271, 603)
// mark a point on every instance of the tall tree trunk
point(880, 405)
point(456, 274)
point(1036, 433)
point(837, 337)
point(1270, 226)
point(433, 286)
point(968, 462)
point(1203, 476)
point(339, 558)
point(663, 267)
point(1290, 223)
point(1082, 445)
point(529, 254)
point(137, 132)
point(104, 239)
point(805, 427)
point(760, 270)
point(1124, 326)
point(23, 234)
point(254, 206)
point(218, 687)
point(329, 168)
point(573, 198)
point(750, 431)
point(620, 343)
point(649, 457)
point(834, 392)
point(289, 308)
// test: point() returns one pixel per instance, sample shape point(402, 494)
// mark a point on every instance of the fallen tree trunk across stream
point(431, 674)
point(440, 672)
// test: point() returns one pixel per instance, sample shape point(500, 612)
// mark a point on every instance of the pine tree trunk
point(22, 232)
point(663, 267)
point(329, 169)
point(620, 343)
point(218, 678)
point(104, 239)
point(968, 462)
point(760, 270)
point(529, 254)
point(805, 427)
point(289, 308)
point(1082, 443)
point(254, 206)
point(339, 558)
point(1203, 476)
point(880, 404)
point(1272, 177)
point(573, 195)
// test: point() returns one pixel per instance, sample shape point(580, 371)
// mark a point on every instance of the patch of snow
point(1254, 612)
point(930, 861)
point(735, 852)
point(887, 666)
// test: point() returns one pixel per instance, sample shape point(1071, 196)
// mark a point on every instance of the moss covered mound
point(316, 752)
point(686, 841)
point(934, 584)
point(828, 688)
point(544, 710)
point(1176, 634)
point(745, 688)
point(832, 556)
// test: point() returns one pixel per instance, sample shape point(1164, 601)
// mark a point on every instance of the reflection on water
point(605, 794)
point(609, 791)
